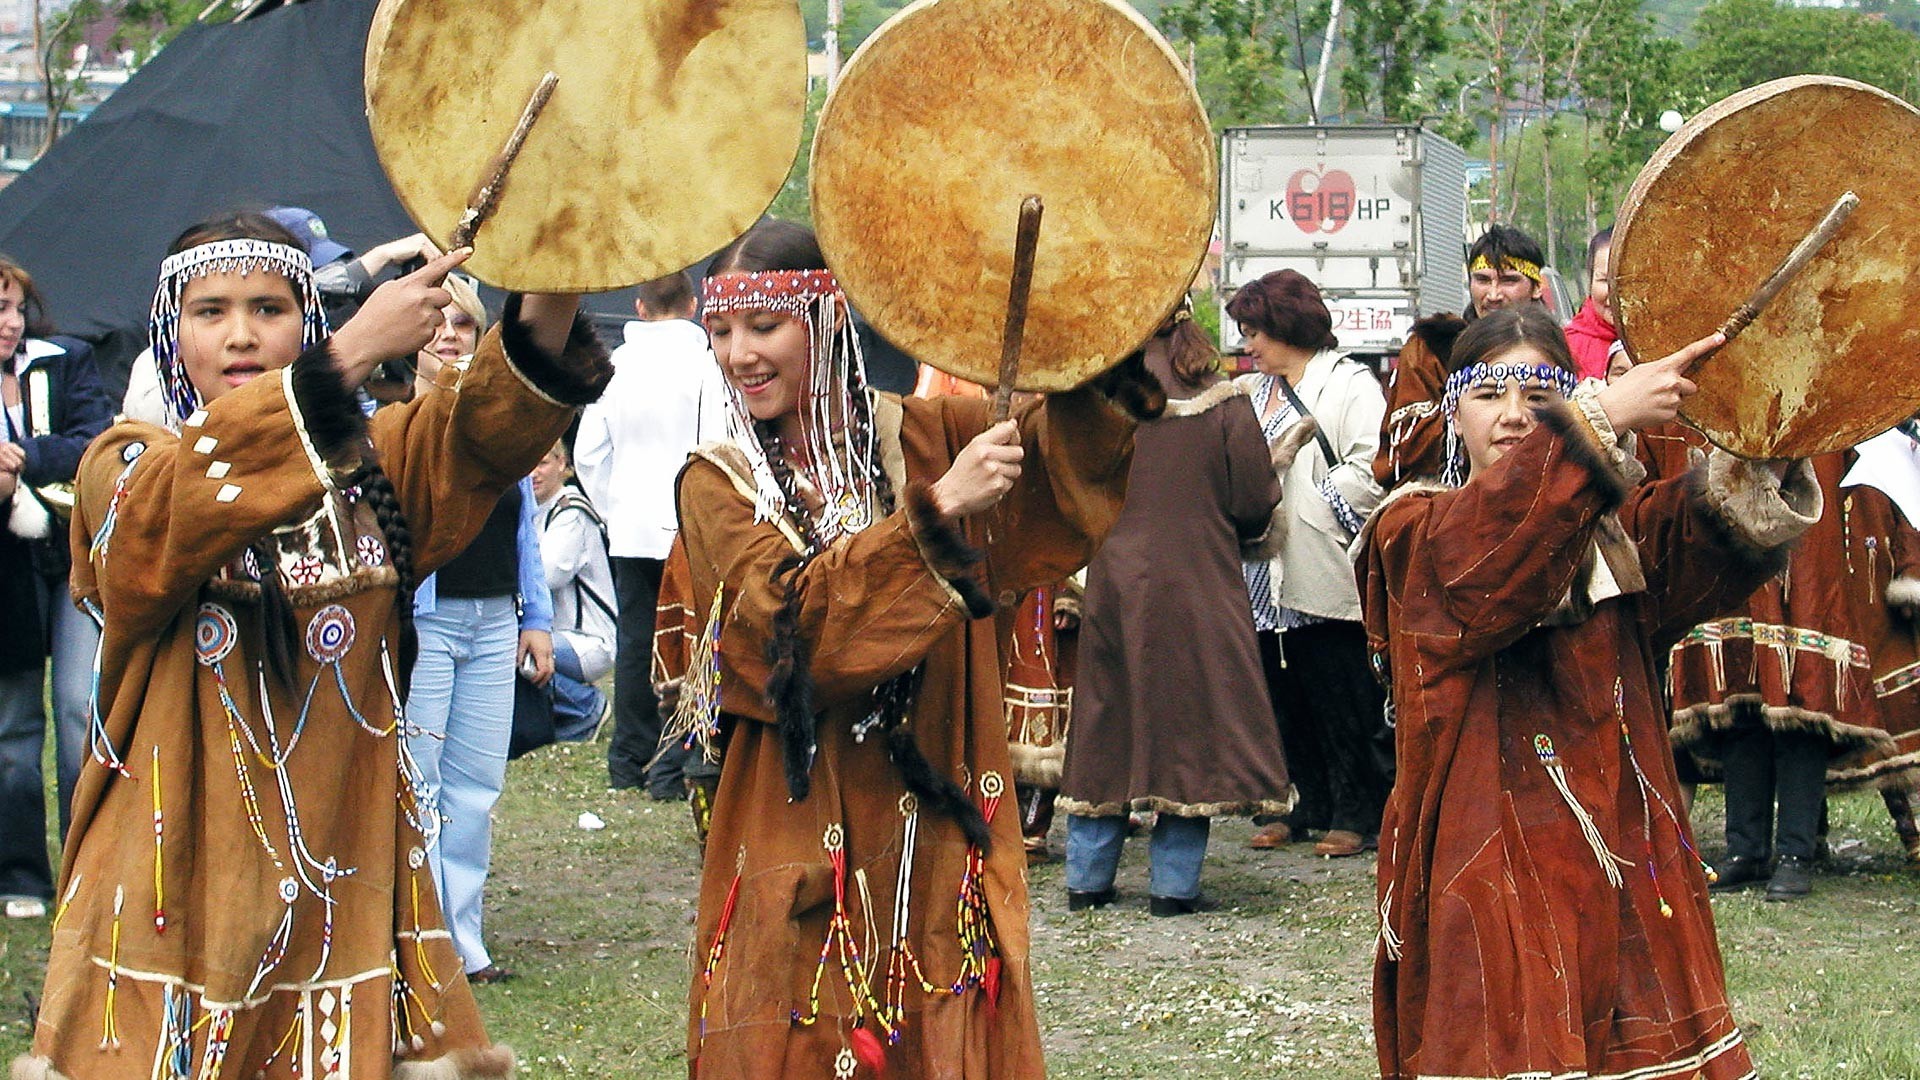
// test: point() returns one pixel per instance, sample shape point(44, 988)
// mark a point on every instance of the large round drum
point(948, 116)
point(672, 128)
point(1835, 358)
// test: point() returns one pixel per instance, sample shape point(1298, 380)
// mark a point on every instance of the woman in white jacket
point(573, 546)
point(1305, 605)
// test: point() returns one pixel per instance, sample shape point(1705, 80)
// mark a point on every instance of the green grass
point(1275, 984)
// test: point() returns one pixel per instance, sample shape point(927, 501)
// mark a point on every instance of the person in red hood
point(1591, 333)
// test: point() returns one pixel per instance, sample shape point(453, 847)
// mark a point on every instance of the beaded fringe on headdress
point(241, 257)
point(1454, 474)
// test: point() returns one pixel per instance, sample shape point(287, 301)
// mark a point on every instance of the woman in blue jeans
point(55, 405)
point(478, 617)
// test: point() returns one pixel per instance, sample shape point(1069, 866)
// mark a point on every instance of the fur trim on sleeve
point(1903, 595)
point(946, 550)
point(493, 1063)
point(26, 518)
point(1759, 513)
point(1588, 447)
point(326, 410)
point(575, 377)
point(1439, 331)
point(1131, 387)
point(34, 1068)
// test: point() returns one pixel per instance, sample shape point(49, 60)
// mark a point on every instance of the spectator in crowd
point(573, 548)
point(485, 612)
point(1543, 911)
point(1312, 646)
point(55, 405)
point(252, 566)
point(1591, 334)
point(666, 398)
point(1503, 270)
point(1164, 719)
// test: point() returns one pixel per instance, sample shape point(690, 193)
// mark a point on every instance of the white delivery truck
point(1374, 214)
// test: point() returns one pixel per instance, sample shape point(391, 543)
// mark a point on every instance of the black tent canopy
point(263, 111)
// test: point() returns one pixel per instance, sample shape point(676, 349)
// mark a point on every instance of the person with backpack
point(573, 546)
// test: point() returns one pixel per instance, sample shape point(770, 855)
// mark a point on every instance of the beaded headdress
point(1549, 375)
point(839, 438)
point(241, 257)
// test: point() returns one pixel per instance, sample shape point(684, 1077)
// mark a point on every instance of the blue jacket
point(63, 394)
point(536, 604)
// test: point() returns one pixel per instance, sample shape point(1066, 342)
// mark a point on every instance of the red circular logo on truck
point(1320, 201)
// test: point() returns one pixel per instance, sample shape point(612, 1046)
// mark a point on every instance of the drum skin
point(672, 129)
point(949, 115)
point(1835, 359)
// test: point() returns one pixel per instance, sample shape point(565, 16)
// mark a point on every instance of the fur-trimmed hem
point(1586, 447)
point(1758, 512)
point(30, 1067)
point(326, 413)
point(575, 377)
point(1158, 805)
point(1898, 773)
point(1904, 592)
point(946, 550)
point(1133, 389)
point(1038, 766)
point(1218, 394)
point(248, 592)
point(1695, 726)
point(493, 1063)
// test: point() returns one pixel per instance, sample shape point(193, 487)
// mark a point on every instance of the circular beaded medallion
point(330, 634)
point(214, 633)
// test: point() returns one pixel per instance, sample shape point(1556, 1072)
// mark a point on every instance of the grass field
point(1275, 984)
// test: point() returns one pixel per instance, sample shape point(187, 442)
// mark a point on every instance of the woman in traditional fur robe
point(245, 890)
point(1543, 909)
point(863, 905)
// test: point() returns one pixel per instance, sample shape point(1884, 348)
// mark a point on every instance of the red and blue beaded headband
point(790, 292)
point(242, 257)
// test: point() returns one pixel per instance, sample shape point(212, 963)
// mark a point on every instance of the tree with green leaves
point(1253, 60)
point(141, 26)
point(1393, 69)
point(1741, 43)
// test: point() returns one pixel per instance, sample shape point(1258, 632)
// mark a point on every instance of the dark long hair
point(773, 244)
point(280, 629)
point(1506, 327)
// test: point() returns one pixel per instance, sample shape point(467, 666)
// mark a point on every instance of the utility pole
point(831, 39)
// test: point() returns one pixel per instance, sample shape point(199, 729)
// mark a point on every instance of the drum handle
point(486, 197)
point(1025, 241)
point(1789, 268)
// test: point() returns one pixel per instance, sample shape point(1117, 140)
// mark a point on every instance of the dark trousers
point(636, 709)
point(1764, 767)
point(1330, 709)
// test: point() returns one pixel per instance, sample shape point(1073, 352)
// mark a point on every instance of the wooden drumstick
point(1025, 241)
point(1789, 268)
point(486, 197)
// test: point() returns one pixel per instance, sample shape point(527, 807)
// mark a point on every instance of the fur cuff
point(1284, 449)
point(1267, 546)
point(1903, 595)
point(1759, 512)
point(492, 1063)
point(575, 377)
point(35, 1068)
point(1038, 766)
point(1067, 602)
point(27, 519)
point(1588, 447)
point(1131, 387)
point(946, 550)
point(327, 411)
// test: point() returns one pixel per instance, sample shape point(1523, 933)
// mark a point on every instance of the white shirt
point(584, 608)
point(666, 398)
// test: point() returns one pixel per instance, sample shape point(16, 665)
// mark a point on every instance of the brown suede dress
point(244, 891)
point(809, 958)
point(1543, 911)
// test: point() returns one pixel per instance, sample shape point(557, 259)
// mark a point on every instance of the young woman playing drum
point(1544, 911)
point(252, 564)
point(864, 903)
